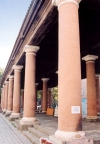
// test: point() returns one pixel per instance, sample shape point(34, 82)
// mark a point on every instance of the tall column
point(91, 87)
point(16, 93)
point(69, 78)
point(10, 95)
point(3, 98)
point(30, 89)
point(45, 90)
point(98, 93)
point(36, 96)
point(6, 94)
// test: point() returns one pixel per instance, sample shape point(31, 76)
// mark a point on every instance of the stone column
point(91, 87)
point(30, 89)
point(6, 94)
point(16, 93)
point(98, 93)
point(10, 95)
point(3, 98)
point(45, 90)
point(69, 78)
point(36, 97)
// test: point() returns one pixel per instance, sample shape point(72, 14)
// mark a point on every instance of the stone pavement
point(50, 123)
point(9, 134)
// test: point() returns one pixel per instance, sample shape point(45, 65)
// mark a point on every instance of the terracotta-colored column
point(3, 98)
point(30, 88)
point(10, 95)
point(91, 87)
point(6, 94)
point(69, 78)
point(45, 90)
point(36, 96)
point(16, 92)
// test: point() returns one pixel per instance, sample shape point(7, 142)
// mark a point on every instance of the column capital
point(30, 49)
point(45, 79)
point(90, 58)
point(3, 86)
point(6, 82)
point(11, 76)
point(59, 2)
point(17, 67)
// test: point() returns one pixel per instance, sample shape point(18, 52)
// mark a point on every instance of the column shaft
point(91, 89)
point(16, 94)
point(29, 95)
point(30, 88)
point(6, 95)
point(44, 96)
point(69, 78)
point(3, 97)
point(10, 94)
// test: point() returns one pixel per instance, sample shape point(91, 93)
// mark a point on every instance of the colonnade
point(69, 79)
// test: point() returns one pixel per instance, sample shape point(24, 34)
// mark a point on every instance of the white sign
point(75, 109)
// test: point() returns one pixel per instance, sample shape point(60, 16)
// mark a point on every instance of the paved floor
point(9, 134)
point(92, 129)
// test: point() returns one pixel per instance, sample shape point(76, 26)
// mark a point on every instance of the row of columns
point(29, 91)
point(14, 96)
point(11, 98)
point(69, 80)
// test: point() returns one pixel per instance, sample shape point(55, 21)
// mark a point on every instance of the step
point(17, 120)
point(44, 129)
point(31, 137)
point(15, 124)
point(37, 133)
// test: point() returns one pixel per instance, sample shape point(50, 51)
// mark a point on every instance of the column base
point(92, 119)
point(4, 111)
point(8, 113)
point(44, 112)
point(26, 122)
point(74, 141)
point(67, 136)
point(14, 116)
